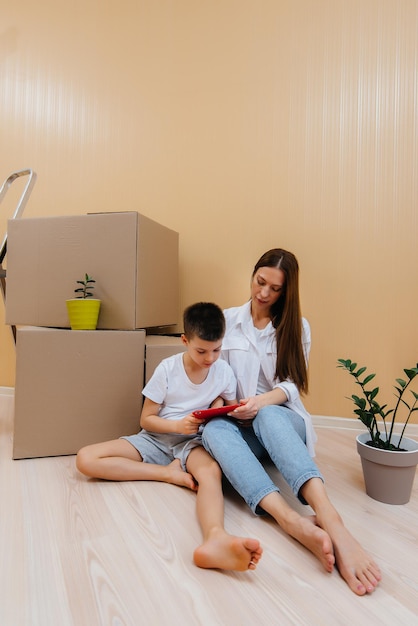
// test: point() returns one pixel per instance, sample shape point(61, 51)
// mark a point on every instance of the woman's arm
point(252, 405)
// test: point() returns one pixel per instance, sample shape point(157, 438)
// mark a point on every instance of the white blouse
point(252, 355)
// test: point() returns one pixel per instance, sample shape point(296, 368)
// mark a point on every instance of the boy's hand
point(188, 425)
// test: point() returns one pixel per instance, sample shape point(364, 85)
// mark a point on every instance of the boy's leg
point(119, 460)
point(219, 550)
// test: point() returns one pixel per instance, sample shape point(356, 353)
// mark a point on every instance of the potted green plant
point(84, 309)
point(388, 459)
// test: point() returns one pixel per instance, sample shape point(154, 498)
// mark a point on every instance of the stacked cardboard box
point(74, 388)
point(79, 387)
point(159, 347)
point(133, 259)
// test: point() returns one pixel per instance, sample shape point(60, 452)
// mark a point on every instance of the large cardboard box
point(133, 259)
point(159, 347)
point(74, 388)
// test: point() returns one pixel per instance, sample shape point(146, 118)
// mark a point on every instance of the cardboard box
point(75, 387)
point(133, 259)
point(159, 347)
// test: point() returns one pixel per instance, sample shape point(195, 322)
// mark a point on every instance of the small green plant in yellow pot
point(83, 310)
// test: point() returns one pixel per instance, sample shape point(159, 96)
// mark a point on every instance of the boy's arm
point(219, 401)
point(151, 421)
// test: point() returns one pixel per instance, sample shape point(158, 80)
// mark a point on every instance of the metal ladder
point(17, 213)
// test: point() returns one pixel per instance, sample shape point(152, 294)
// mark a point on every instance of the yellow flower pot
point(83, 313)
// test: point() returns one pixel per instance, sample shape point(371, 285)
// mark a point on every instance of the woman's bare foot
point(177, 476)
point(303, 529)
point(315, 539)
point(355, 566)
point(227, 552)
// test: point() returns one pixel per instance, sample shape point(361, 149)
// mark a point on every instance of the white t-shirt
point(170, 387)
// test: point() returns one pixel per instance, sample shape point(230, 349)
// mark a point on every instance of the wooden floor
point(76, 552)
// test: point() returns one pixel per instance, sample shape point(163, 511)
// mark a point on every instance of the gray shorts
point(161, 449)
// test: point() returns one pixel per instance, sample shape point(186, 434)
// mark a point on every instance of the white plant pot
point(388, 475)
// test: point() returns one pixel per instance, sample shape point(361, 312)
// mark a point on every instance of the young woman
point(267, 343)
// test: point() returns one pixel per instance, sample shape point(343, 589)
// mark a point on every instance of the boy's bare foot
point(177, 476)
point(228, 552)
point(355, 566)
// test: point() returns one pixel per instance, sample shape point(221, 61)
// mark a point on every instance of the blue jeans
point(277, 430)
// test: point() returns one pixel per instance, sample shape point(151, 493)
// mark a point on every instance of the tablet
point(206, 414)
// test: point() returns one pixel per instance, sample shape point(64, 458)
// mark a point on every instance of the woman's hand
point(248, 410)
point(252, 405)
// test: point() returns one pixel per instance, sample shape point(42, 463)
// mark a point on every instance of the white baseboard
point(326, 421)
point(323, 421)
point(7, 391)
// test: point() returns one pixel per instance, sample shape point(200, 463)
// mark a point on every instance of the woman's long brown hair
point(287, 319)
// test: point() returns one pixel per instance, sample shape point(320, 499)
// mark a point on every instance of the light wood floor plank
point(78, 552)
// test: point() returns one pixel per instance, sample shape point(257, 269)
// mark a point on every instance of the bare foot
point(177, 476)
point(315, 539)
point(356, 567)
point(227, 552)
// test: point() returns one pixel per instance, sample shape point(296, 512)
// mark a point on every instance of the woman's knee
point(279, 420)
point(219, 425)
point(272, 411)
point(269, 415)
point(216, 433)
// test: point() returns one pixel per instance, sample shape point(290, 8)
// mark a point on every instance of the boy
point(169, 448)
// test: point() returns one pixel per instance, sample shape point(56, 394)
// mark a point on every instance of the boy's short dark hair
point(204, 320)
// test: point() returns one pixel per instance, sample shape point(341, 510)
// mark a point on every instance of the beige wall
point(243, 125)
